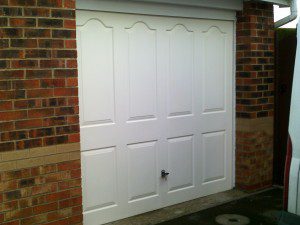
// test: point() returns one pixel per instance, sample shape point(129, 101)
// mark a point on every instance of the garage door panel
point(142, 66)
point(216, 180)
point(181, 127)
point(215, 121)
point(138, 132)
point(180, 163)
point(181, 71)
point(214, 158)
point(142, 171)
point(104, 215)
point(214, 65)
point(95, 137)
point(100, 190)
point(97, 86)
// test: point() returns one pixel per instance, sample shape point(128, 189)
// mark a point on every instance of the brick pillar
point(40, 180)
point(255, 96)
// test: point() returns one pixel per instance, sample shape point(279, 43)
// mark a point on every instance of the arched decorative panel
point(142, 72)
point(181, 71)
point(214, 64)
point(96, 62)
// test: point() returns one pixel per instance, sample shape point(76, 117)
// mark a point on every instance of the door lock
point(164, 174)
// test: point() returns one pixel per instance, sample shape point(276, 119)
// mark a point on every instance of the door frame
point(234, 107)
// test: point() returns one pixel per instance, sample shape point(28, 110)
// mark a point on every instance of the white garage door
point(155, 94)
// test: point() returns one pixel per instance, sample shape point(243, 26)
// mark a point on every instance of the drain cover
point(232, 219)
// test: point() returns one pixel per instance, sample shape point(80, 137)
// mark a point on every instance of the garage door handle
point(164, 174)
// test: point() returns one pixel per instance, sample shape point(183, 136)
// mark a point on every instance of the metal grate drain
point(232, 219)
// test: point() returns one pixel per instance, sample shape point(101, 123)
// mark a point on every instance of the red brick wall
point(38, 74)
point(45, 194)
point(40, 179)
point(255, 96)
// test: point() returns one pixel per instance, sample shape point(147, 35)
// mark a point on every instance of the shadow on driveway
point(259, 209)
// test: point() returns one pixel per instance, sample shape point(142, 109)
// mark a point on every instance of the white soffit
point(206, 9)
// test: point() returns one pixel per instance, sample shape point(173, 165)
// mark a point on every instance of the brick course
point(38, 74)
point(254, 96)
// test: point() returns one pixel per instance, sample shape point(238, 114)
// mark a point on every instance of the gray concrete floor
point(180, 210)
point(259, 209)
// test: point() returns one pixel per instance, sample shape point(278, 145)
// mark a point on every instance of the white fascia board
point(234, 5)
point(152, 7)
point(217, 4)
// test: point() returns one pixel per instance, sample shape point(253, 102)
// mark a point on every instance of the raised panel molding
point(214, 157)
point(142, 63)
point(214, 66)
point(214, 28)
point(180, 149)
point(96, 80)
point(142, 171)
point(96, 165)
point(181, 71)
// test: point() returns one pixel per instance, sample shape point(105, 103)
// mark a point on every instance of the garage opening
point(156, 111)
